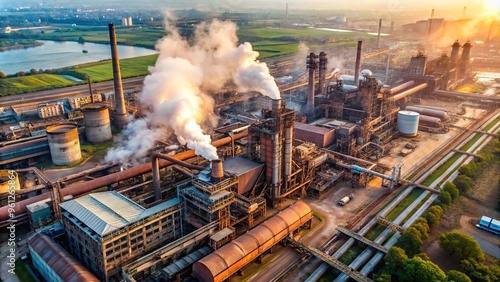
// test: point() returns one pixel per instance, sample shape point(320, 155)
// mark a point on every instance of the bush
point(445, 199)
point(469, 169)
point(456, 276)
point(452, 189)
point(463, 183)
point(410, 241)
point(480, 272)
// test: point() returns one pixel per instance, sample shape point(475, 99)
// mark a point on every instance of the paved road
point(66, 92)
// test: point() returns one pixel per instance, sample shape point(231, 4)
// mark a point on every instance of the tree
point(33, 71)
point(421, 225)
point(423, 256)
point(469, 169)
point(445, 198)
point(384, 277)
point(461, 246)
point(417, 269)
point(456, 276)
point(2, 74)
point(394, 259)
point(433, 216)
point(81, 40)
point(410, 241)
point(452, 189)
point(478, 271)
point(463, 183)
point(21, 73)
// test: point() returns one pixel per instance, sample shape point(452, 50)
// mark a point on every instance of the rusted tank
point(64, 144)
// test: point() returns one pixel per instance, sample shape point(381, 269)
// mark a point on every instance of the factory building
point(106, 230)
point(54, 263)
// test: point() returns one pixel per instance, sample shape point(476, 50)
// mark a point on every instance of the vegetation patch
point(32, 83)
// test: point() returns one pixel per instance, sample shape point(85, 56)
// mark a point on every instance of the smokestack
point(487, 41)
point(357, 67)
point(286, 15)
point(217, 171)
point(312, 64)
point(276, 105)
point(392, 28)
point(430, 25)
point(455, 48)
point(463, 12)
point(379, 31)
point(120, 116)
point(323, 64)
point(90, 90)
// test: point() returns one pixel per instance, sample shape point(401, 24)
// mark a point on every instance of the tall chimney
point(357, 67)
point(392, 28)
point(455, 48)
point(487, 42)
point(323, 64)
point(379, 31)
point(430, 25)
point(217, 171)
point(120, 115)
point(276, 105)
point(312, 64)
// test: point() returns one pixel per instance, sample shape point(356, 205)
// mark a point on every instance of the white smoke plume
point(174, 93)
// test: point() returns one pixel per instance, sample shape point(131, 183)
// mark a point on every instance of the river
point(58, 54)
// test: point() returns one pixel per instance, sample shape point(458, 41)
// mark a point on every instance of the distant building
point(7, 29)
point(51, 110)
point(124, 21)
point(106, 230)
point(130, 21)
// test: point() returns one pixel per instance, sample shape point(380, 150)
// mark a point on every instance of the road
point(67, 92)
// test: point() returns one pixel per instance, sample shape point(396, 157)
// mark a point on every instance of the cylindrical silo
point(9, 181)
point(64, 144)
point(97, 124)
point(408, 123)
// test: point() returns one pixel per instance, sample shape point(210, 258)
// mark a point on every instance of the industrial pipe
point(156, 170)
point(86, 187)
point(408, 92)
point(402, 86)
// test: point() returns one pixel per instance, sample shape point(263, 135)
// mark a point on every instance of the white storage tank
point(64, 144)
point(408, 123)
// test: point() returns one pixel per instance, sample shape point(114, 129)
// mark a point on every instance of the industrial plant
point(218, 194)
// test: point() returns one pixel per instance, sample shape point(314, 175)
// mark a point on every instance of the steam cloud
point(174, 93)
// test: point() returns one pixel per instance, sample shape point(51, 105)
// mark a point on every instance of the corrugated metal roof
point(163, 206)
point(222, 234)
point(59, 260)
point(172, 269)
point(103, 212)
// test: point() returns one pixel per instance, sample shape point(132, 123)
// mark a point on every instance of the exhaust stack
point(323, 65)
point(379, 31)
point(120, 115)
point(357, 67)
point(312, 64)
point(217, 171)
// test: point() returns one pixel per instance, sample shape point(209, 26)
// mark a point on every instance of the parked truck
point(345, 200)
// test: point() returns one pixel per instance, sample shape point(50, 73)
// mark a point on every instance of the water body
point(55, 54)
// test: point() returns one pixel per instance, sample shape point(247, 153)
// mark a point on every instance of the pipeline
point(86, 187)
point(408, 92)
point(402, 86)
point(156, 170)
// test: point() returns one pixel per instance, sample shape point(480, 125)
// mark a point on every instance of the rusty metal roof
point(58, 259)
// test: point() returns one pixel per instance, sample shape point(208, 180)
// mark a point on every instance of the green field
point(297, 33)
point(133, 36)
point(31, 83)
point(102, 71)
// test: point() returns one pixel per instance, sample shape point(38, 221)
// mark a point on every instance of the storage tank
point(9, 181)
point(427, 120)
point(443, 115)
point(97, 123)
point(64, 144)
point(408, 123)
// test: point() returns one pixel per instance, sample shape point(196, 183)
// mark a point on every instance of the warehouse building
point(106, 230)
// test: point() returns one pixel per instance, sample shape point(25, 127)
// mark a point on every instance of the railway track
point(417, 175)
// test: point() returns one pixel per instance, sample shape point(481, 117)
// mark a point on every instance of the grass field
point(134, 36)
point(132, 67)
point(31, 83)
point(268, 32)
